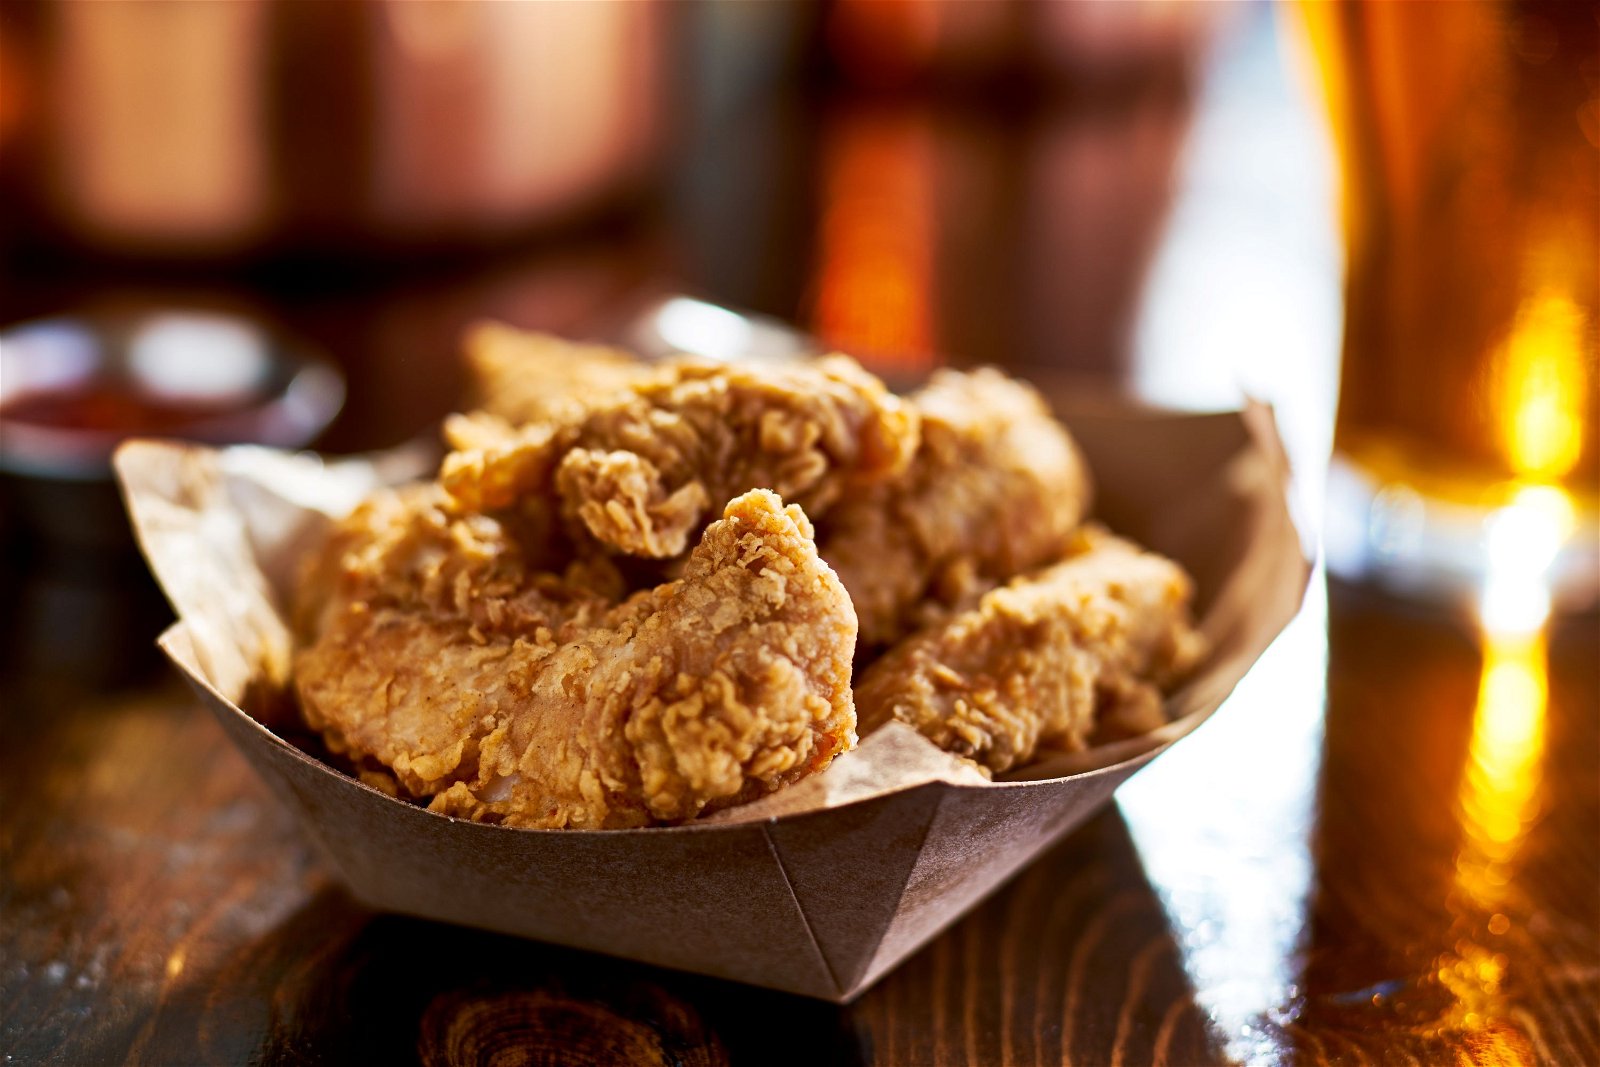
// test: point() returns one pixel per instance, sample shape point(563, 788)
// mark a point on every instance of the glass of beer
point(1468, 138)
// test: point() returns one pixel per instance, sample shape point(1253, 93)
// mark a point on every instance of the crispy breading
point(1052, 659)
point(988, 485)
point(996, 487)
point(405, 547)
point(472, 641)
point(637, 472)
point(522, 376)
point(531, 699)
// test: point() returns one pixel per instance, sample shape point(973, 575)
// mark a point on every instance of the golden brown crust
point(995, 488)
point(636, 473)
point(522, 376)
point(919, 504)
point(532, 699)
point(1080, 648)
point(472, 641)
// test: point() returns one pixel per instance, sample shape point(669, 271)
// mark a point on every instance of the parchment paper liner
point(820, 888)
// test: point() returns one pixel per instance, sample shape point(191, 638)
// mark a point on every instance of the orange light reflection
point(876, 246)
point(1498, 800)
point(1542, 387)
point(1539, 397)
point(1499, 790)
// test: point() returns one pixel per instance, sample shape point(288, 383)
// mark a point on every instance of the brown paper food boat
point(820, 888)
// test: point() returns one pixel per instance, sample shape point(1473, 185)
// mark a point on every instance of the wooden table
point(1354, 861)
point(1293, 883)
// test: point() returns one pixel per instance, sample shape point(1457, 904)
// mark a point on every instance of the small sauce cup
point(72, 388)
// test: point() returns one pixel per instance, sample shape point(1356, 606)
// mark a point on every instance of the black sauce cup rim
point(306, 393)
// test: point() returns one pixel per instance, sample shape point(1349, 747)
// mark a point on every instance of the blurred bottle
point(1467, 137)
point(994, 176)
point(879, 45)
point(195, 129)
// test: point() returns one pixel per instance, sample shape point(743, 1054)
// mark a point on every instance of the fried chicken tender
point(522, 376)
point(996, 487)
point(532, 699)
point(1074, 653)
point(637, 471)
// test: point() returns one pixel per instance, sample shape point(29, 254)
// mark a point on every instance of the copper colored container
point(198, 128)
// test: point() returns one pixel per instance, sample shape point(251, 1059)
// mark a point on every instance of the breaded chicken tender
point(995, 488)
point(983, 483)
point(522, 376)
point(472, 642)
point(1074, 653)
point(533, 699)
point(636, 472)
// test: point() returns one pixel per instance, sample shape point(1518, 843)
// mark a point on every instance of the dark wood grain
point(192, 925)
point(160, 908)
point(1404, 960)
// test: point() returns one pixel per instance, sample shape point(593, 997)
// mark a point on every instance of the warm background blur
point(1133, 194)
point(986, 181)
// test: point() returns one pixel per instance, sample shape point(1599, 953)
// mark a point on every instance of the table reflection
point(1224, 825)
point(1498, 804)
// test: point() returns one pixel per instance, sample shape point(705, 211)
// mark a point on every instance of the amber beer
point(1468, 137)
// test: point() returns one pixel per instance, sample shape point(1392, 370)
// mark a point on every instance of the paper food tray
point(819, 889)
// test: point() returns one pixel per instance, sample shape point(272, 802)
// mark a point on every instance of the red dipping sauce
point(104, 408)
point(71, 389)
